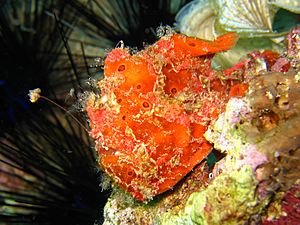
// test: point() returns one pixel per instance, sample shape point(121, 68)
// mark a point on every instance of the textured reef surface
point(163, 110)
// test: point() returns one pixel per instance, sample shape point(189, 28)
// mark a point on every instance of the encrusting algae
point(154, 107)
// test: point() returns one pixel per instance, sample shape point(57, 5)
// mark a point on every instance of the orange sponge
point(153, 110)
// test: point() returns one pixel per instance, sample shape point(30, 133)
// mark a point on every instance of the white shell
point(204, 18)
point(197, 19)
point(290, 5)
point(245, 16)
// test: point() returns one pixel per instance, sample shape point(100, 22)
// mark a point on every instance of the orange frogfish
point(154, 107)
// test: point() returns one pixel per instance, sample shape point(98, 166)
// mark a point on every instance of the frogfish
point(154, 107)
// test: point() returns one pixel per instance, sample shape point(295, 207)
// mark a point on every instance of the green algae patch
point(230, 199)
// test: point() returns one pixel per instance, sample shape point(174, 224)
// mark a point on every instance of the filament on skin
point(35, 95)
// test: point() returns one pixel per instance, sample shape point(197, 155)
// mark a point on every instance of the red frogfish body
point(154, 107)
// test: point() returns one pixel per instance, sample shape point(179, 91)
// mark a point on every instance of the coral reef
point(258, 170)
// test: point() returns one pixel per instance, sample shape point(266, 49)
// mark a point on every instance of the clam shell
point(290, 5)
point(244, 16)
point(197, 19)
point(207, 19)
point(252, 20)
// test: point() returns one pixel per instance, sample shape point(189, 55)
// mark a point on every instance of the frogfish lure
point(154, 107)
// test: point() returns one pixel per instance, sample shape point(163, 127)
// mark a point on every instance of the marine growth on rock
point(154, 107)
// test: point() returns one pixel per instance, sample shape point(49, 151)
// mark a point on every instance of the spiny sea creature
point(155, 105)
